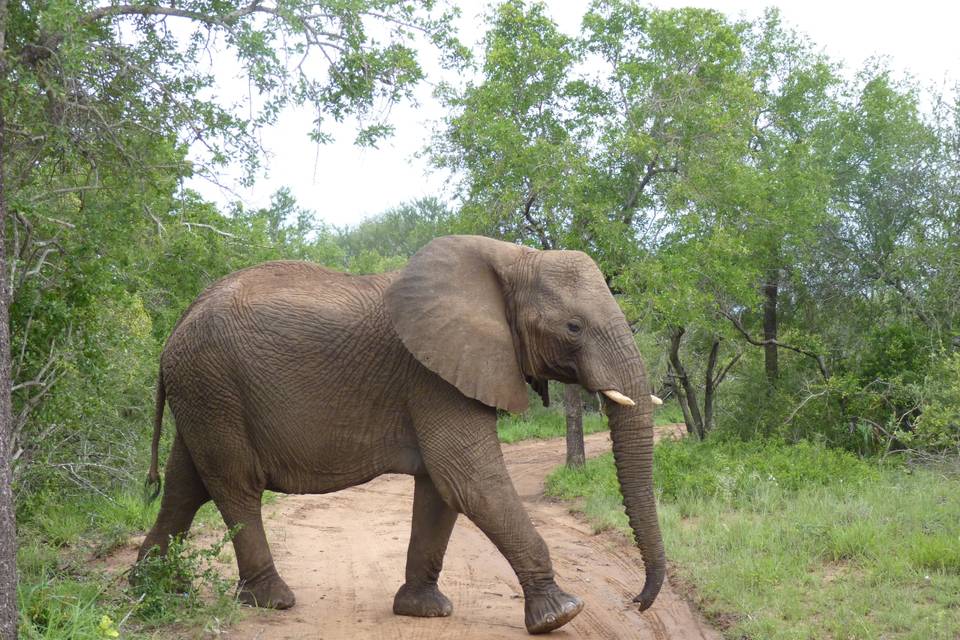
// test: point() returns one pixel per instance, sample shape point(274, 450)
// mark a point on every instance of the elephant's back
point(287, 305)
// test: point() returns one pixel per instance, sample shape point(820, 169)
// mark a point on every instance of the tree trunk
point(692, 415)
point(573, 407)
point(681, 399)
point(709, 387)
point(8, 533)
point(770, 363)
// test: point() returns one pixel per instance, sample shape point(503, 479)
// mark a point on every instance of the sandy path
point(343, 554)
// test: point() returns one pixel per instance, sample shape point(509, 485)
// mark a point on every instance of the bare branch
point(723, 372)
point(201, 225)
point(532, 224)
point(56, 192)
point(652, 169)
point(821, 363)
point(689, 393)
point(800, 406)
point(156, 10)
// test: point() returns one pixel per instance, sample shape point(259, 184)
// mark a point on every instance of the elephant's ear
point(449, 309)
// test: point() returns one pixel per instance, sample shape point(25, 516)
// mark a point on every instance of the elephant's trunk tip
point(651, 588)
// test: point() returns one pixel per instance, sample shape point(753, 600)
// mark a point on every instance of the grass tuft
point(62, 594)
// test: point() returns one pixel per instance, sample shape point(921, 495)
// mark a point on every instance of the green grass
point(542, 423)
point(64, 592)
point(798, 541)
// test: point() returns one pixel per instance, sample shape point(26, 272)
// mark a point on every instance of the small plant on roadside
point(166, 586)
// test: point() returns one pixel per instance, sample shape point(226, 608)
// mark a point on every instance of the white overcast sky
point(344, 184)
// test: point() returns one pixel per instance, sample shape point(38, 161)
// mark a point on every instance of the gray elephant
point(291, 377)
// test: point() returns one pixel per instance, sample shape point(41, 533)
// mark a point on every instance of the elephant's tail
point(153, 484)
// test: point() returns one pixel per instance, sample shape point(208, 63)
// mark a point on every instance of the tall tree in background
point(510, 138)
point(672, 103)
point(784, 200)
point(8, 533)
point(98, 105)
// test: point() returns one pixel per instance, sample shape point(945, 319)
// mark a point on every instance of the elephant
point(292, 377)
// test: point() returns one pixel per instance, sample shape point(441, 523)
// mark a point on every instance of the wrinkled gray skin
point(290, 377)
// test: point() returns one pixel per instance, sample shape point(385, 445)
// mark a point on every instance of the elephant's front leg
point(433, 521)
point(464, 460)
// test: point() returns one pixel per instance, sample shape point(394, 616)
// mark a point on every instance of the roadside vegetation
point(782, 541)
point(71, 587)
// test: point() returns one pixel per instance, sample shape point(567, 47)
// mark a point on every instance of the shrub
point(938, 427)
point(171, 584)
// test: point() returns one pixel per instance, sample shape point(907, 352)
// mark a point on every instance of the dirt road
point(343, 555)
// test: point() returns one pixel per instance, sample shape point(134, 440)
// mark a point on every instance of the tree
point(670, 98)
point(885, 257)
point(510, 139)
point(746, 199)
point(388, 240)
point(672, 107)
point(8, 532)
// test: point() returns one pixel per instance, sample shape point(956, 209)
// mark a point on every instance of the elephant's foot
point(422, 601)
point(270, 592)
point(549, 609)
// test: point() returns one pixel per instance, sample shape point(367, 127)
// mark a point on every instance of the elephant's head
point(489, 316)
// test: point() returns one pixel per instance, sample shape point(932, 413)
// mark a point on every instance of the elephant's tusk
point(618, 397)
point(655, 400)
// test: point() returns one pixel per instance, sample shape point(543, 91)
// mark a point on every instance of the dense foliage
point(768, 224)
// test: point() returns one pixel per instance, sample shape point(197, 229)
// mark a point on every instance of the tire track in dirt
point(343, 554)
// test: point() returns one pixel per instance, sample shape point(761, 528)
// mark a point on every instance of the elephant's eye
point(574, 327)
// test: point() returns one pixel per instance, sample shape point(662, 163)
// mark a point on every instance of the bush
point(167, 586)
point(91, 433)
point(732, 470)
point(938, 427)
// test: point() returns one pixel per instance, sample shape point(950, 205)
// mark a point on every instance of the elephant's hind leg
point(433, 522)
point(216, 436)
point(183, 494)
point(260, 584)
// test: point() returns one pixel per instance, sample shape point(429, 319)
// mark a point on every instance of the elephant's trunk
point(631, 429)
